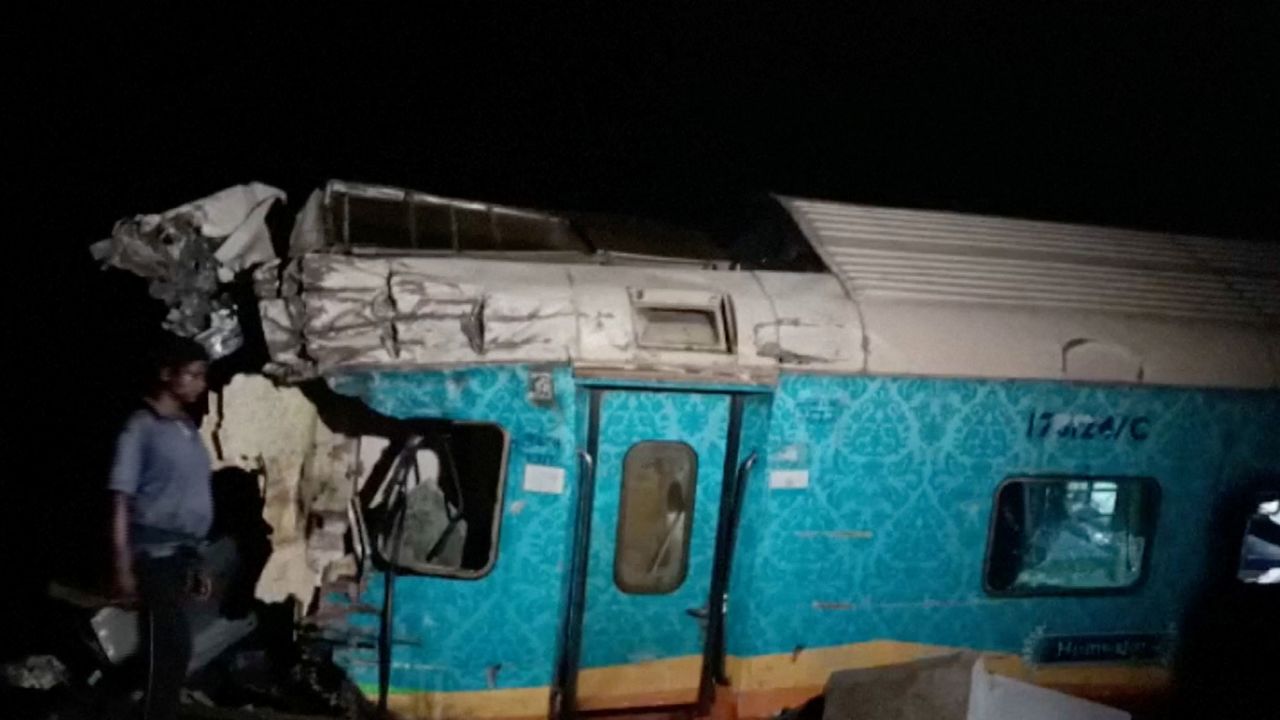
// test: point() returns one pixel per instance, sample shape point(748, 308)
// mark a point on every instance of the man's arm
point(125, 472)
point(125, 584)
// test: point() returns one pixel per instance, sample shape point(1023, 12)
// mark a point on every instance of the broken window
point(371, 218)
point(655, 515)
point(367, 216)
point(1070, 534)
point(1260, 551)
point(432, 500)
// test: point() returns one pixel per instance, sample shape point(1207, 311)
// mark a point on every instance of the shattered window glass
point(433, 502)
point(370, 221)
point(654, 517)
point(1260, 552)
point(1070, 534)
point(434, 228)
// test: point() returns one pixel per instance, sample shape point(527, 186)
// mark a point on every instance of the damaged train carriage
point(602, 481)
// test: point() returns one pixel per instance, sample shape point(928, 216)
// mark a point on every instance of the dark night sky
point(1100, 112)
point(1091, 111)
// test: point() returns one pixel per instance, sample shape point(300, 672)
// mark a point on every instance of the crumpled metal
point(189, 252)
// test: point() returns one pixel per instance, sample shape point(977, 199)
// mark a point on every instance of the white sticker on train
point(544, 479)
point(789, 479)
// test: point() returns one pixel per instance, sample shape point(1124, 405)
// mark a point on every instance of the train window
point(655, 515)
point(434, 501)
point(1069, 534)
point(679, 328)
point(1260, 552)
point(681, 320)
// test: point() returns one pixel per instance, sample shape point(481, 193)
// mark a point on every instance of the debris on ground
point(931, 688)
point(996, 697)
point(38, 672)
point(953, 686)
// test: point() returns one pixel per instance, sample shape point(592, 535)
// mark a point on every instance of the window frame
point(717, 305)
point(1151, 519)
point(427, 570)
point(688, 535)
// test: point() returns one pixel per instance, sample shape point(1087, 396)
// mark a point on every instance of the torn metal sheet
point(323, 313)
point(311, 473)
point(308, 470)
point(308, 227)
point(238, 215)
point(224, 335)
point(189, 251)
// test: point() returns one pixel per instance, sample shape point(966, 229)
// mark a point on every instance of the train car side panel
point(483, 647)
point(866, 541)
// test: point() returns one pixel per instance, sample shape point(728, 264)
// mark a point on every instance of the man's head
point(179, 369)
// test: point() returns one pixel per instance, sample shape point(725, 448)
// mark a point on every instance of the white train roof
point(909, 293)
point(962, 295)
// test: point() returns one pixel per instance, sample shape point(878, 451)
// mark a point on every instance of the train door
point(659, 473)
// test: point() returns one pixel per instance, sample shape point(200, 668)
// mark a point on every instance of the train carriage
point(603, 481)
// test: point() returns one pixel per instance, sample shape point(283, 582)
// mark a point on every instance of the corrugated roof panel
point(954, 294)
point(983, 259)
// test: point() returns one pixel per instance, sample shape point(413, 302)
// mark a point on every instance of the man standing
point(162, 509)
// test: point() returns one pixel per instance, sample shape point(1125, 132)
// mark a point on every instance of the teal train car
point(610, 481)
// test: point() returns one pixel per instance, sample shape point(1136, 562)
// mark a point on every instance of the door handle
point(700, 613)
point(739, 484)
